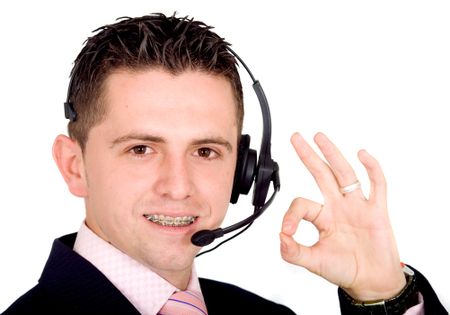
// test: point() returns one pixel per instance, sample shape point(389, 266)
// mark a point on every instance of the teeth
point(170, 221)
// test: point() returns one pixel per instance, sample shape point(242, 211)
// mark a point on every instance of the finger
point(376, 176)
point(340, 167)
point(297, 254)
point(301, 209)
point(317, 167)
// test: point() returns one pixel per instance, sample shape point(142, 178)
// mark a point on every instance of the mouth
point(165, 220)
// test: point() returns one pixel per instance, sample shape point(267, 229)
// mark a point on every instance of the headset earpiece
point(245, 169)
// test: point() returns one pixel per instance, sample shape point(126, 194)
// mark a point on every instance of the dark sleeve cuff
point(432, 305)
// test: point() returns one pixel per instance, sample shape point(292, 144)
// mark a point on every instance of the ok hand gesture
point(356, 249)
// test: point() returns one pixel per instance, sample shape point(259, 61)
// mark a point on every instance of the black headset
point(249, 168)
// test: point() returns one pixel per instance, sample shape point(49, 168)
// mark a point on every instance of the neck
point(179, 279)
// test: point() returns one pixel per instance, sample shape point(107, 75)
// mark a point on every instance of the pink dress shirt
point(416, 309)
point(147, 291)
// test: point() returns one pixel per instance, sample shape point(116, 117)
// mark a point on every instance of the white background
point(371, 75)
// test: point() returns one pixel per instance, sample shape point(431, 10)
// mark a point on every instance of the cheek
point(111, 206)
point(112, 191)
point(217, 189)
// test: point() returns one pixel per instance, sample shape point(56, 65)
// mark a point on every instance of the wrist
point(388, 287)
point(397, 304)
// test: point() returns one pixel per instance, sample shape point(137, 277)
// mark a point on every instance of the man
point(156, 112)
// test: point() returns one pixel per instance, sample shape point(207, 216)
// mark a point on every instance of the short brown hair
point(175, 44)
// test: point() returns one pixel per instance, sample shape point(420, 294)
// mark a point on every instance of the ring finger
point(342, 170)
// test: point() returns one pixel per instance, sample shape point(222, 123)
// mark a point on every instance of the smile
point(165, 220)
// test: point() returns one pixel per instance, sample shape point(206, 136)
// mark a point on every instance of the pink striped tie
point(184, 303)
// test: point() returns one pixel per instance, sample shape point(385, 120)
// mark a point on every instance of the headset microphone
point(248, 171)
point(206, 237)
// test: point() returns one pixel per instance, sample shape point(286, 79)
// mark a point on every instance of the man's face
point(160, 166)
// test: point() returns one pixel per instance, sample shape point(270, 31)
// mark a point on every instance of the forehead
point(155, 99)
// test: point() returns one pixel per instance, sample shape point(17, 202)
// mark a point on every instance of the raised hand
point(356, 249)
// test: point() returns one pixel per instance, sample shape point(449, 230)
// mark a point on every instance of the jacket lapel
point(78, 286)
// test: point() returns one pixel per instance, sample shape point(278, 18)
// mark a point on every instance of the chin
point(169, 260)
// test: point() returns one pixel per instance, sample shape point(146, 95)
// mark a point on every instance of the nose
point(174, 180)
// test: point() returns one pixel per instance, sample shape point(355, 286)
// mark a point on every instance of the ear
point(69, 158)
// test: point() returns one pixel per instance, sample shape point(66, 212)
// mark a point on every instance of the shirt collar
point(145, 289)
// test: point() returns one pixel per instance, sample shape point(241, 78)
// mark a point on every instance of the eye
point(141, 150)
point(207, 153)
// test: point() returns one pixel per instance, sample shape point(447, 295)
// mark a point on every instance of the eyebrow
point(156, 139)
point(137, 136)
point(215, 140)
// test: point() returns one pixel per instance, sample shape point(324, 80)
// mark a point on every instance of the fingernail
point(296, 137)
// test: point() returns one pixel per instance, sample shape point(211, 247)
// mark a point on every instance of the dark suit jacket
point(70, 284)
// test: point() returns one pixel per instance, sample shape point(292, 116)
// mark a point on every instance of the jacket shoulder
point(70, 285)
point(35, 301)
